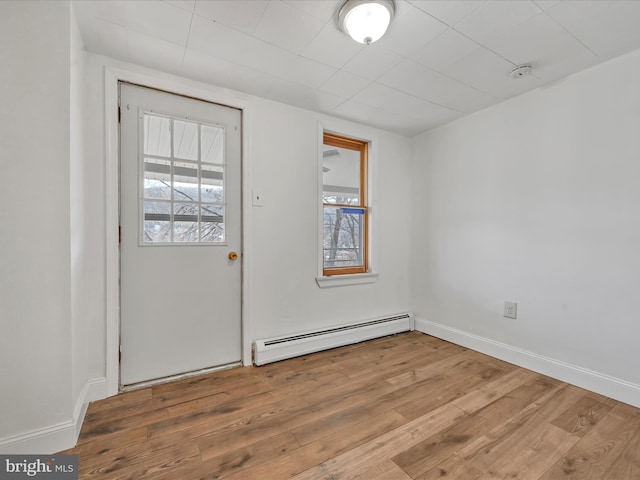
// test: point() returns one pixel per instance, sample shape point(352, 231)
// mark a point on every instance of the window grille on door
point(182, 188)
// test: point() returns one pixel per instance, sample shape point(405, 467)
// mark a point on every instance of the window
point(344, 204)
point(183, 181)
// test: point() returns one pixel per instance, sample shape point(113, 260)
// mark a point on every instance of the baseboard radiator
point(280, 348)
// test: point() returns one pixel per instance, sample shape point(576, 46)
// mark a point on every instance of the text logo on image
point(50, 467)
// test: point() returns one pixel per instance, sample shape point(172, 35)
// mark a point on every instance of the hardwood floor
point(402, 407)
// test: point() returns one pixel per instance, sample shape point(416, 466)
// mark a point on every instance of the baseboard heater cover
point(280, 348)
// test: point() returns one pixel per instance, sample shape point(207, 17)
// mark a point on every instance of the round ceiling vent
point(520, 71)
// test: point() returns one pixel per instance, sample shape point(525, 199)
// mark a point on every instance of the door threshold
point(173, 378)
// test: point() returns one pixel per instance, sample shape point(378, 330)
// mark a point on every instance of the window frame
point(350, 143)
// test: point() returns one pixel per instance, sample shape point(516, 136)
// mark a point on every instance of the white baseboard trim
point(50, 439)
point(607, 385)
point(93, 389)
point(61, 436)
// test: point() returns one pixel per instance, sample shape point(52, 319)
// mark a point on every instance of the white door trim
point(195, 90)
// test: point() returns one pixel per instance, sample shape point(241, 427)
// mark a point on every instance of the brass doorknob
point(233, 256)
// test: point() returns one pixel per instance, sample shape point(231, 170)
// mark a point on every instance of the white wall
point(48, 285)
point(87, 375)
point(285, 296)
point(282, 262)
point(77, 210)
point(87, 230)
point(537, 200)
point(35, 344)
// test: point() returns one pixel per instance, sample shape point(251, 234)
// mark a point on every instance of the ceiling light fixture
point(366, 20)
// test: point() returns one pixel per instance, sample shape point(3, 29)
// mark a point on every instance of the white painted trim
point(112, 248)
point(319, 221)
point(603, 384)
point(342, 280)
point(93, 389)
point(51, 439)
point(247, 248)
point(61, 436)
point(183, 87)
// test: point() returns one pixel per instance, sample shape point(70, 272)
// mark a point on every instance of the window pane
point(185, 140)
point(212, 144)
point(340, 175)
point(212, 184)
point(185, 222)
point(185, 178)
point(157, 139)
point(342, 237)
point(183, 197)
point(157, 179)
point(212, 224)
point(157, 222)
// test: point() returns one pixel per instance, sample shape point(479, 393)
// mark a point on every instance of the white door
point(180, 217)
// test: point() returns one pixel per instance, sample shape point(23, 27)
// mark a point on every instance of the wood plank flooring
point(403, 407)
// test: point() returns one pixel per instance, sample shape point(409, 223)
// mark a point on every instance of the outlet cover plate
point(510, 309)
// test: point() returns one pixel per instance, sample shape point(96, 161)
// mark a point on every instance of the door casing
point(203, 92)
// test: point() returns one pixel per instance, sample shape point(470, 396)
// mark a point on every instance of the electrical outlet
point(511, 309)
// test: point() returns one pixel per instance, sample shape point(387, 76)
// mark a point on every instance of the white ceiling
point(440, 59)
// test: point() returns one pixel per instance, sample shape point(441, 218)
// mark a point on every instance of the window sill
point(343, 280)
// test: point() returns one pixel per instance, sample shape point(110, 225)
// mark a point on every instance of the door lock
point(233, 256)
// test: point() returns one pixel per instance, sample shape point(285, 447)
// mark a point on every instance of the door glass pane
point(157, 139)
point(185, 140)
point(185, 221)
point(185, 178)
point(212, 144)
point(212, 184)
point(157, 222)
point(343, 237)
point(212, 223)
point(157, 178)
point(340, 176)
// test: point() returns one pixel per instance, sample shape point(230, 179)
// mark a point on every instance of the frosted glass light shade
point(366, 20)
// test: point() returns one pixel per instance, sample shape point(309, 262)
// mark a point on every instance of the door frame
point(187, 88)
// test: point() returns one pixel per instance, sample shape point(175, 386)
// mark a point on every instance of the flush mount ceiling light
point(366, 20)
